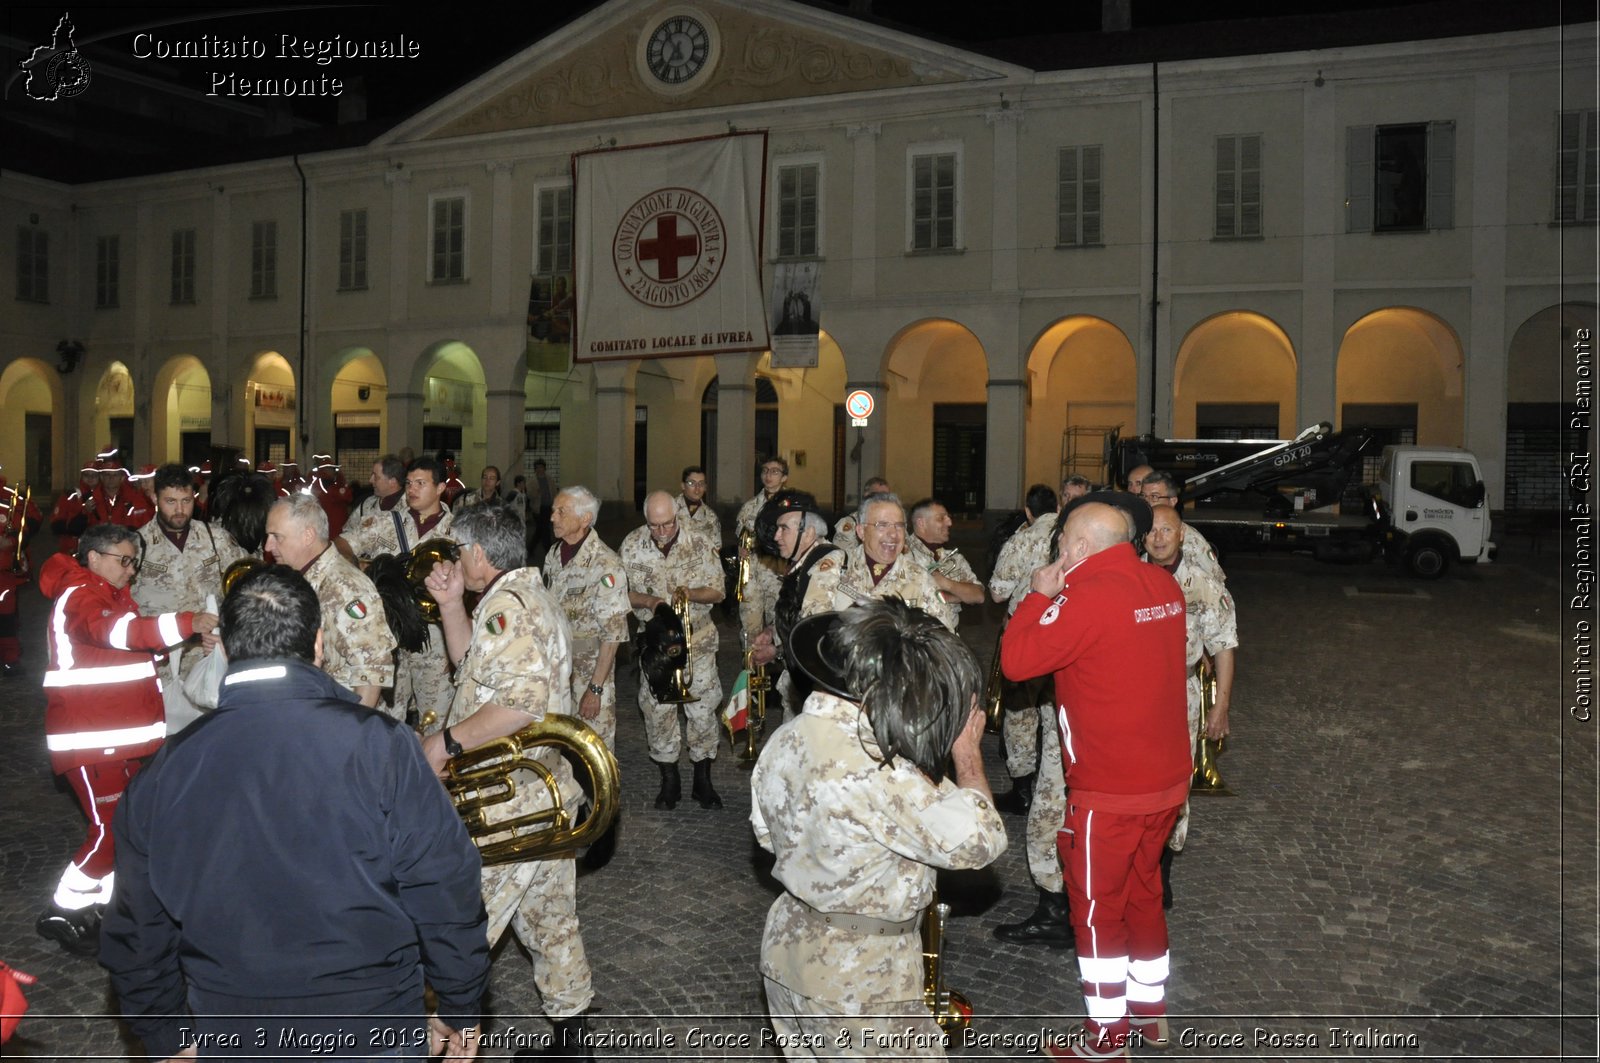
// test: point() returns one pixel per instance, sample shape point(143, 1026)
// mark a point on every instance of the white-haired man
point(587, 578)
point(882, 571)
point(357, 645)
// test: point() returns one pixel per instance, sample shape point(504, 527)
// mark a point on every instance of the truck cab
point(1435, 505)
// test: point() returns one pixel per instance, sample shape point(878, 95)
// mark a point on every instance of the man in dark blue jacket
point(289, 870)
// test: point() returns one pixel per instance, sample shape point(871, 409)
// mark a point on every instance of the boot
point(671, 786)
point(1166, 877)
point(569, 1040)
point(1021, 796)
point(77, 932)
point(702, 790)
point(1047, 925)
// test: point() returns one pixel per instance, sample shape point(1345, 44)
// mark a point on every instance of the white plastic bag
point(205, 682)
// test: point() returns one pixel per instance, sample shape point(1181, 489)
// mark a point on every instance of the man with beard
point(184, 558)
point(883, 572)
point(792, 528)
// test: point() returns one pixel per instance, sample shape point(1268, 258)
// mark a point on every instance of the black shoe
point(1166, 877)
point(603, 848)
point(1048, 925)
point(1021, 796)
point(569, 1040)
point(671, 787)
point(702, 790)
point(11, 671)
point(77, 932)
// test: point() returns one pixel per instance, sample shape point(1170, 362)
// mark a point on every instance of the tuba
point(1207, 779)
point(423, 557)
point(951, 1010)
point(483, 779)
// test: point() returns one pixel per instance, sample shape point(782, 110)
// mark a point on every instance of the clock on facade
point(680, 48)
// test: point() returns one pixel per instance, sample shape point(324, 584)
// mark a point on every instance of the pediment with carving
point(762, 59)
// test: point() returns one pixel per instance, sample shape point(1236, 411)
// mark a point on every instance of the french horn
point(484, 779)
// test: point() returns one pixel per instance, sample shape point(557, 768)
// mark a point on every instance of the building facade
point(1014, 262)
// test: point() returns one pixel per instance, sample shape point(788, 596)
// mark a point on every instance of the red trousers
point(1111, 864)
point(99, 787)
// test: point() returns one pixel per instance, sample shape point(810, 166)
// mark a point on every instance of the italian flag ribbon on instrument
point(736, 714)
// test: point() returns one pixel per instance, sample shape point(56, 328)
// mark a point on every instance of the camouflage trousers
point(700, 716)
point(422, 682)
point(807, 1029)
point(583, 662)
point(760, 599)
point(1180, 829)
point(1048, 811)
point(1020, 723)
point(538, 900)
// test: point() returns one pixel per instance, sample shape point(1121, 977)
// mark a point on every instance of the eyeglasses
point(888, 525)
point(125, 560)
point(694, 483)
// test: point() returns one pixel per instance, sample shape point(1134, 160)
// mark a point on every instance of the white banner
point(795, 309)
point(667, 249)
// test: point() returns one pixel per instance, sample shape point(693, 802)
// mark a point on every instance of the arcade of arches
point(1399, 371)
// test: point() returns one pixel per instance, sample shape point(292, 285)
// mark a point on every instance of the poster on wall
point(667, 249)
point(795, 309)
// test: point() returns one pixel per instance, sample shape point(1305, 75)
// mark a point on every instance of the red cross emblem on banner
point(668, 248)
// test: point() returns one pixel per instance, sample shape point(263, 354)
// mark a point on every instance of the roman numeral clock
point(678, 50)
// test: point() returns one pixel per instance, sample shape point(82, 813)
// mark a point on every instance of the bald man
point(1111, 630)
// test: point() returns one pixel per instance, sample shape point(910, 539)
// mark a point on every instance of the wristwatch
point(451, 746)
point(597, 689)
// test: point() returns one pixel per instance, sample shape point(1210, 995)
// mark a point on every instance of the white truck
point(1427, 509)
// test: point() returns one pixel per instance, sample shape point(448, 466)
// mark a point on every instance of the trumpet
point(951, 1010)
point(759, 684)
point(423, 557)
point(1207, 779)
point(21, 499)
point(482, 780)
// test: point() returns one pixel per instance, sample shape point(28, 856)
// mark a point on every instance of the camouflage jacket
point(692, 563)
point(592, 589)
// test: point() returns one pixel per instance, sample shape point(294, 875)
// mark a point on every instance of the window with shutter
point(1577, 196)
point(1238, 200)
point(1078, 190)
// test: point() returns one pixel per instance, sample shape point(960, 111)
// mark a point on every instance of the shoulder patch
point(356, 610)
point(496, 624)
point(608, 581)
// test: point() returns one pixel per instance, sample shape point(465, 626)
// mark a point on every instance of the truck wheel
point(1427, 560)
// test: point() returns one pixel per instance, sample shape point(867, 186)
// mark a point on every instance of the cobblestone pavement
point(1408, 868)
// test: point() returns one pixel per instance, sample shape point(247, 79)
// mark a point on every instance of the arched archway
point(181, 414)
point(455, 406)
point(358, 398)
point(807, 420)
point(1082, 383)
point(112, 416)
point(935, 377)
point(1235, 378)
point(31, 395)
point(269, 414)
point(1399, 373)
point(1539, 413)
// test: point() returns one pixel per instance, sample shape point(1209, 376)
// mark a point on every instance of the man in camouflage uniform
point(858, 832)
point(512, 658)
point(883, 571)
point(388, 482)
point(1029, 706)
point(1160, 489)
point(694, 512)
point(587, 578)
point(929, 546)
point(422, 680)
point(814, 567)
point(1212, 632)
point(662, 558)
point(357, 645)
point(762, 593)
point(184, 560)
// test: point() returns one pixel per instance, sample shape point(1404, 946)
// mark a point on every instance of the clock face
point(677, 50)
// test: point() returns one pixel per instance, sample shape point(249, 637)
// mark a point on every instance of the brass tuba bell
point(483, 779)
point(423, 557)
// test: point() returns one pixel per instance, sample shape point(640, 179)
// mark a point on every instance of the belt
point(863, 924)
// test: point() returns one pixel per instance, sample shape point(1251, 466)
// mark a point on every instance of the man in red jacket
point(103, 709)
point(1111, 629)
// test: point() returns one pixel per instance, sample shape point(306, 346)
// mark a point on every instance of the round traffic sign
point(858, 404)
